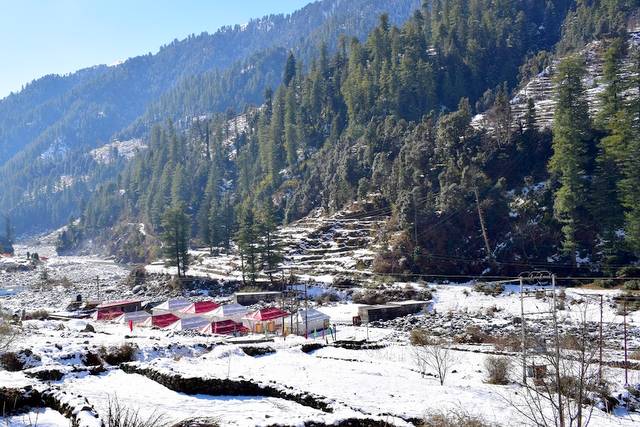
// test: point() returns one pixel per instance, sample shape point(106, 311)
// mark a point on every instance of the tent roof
point(229, 310)
point(201, 307)
point(310, 314)
point(136, 316)
point(195, 322)
point(160, 320)
point(269, 313)
point(224, 327)
point(174, 304)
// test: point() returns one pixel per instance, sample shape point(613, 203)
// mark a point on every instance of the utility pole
point(600, 367)
point(626, 361)
point(523, 333)
point(557, 345)
point(306, 311)
point(415, 220)
point(98, 285)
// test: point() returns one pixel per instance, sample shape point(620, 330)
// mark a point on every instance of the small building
point(250, 298)
point(170, 306)
point(111, 309)
point(225, 327)
point(372, 313)
point(265, 320)
point(312, 318)
point(233, 312)
point(189, 324)
point(411, 306)
point(160, 320)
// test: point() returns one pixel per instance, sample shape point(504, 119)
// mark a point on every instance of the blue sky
point(39, 37)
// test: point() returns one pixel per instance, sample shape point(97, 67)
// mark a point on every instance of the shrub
point(629, 271)
point(605, 283)
point(472, 335)
point(11, 362)
point(455, 418)
point(498, 369)
point(420, 336)
point(137, 276)
point(122, 416)
point(632, 285)
point(326, 297)
point(91, 359)
point(119, 354)
point(492, 289)
point(38, 314)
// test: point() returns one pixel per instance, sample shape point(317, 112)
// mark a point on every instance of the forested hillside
point(47, 129)
point(391, 116)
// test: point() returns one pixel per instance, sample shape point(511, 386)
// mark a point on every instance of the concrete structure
point(249, 298)
point(371, 313)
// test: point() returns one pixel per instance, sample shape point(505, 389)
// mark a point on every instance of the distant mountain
point(48, 128)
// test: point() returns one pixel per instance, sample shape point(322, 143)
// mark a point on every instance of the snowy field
point(381, 383)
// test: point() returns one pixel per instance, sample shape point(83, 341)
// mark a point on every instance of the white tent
point(170, 306)
point(233, 312)
point(135, 316)
point(189, 323)
point(314, 319)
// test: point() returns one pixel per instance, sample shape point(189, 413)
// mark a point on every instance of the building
point(250, 298)
point(111, 309)
point(371, 313)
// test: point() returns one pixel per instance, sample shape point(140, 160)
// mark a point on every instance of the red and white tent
point(266, 319)
point(198, 308)
point(171, 306)
point(136, 317)
point(233, 312)
point(225, 327)
point(189, 323)
point(160, 320)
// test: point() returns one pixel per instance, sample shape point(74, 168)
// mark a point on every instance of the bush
point(632, 285)
point(455, 418)
point(493, 289)
point(326, 298)
point(605, 283)
point(117, 355)
point(472, 335)
point(498, 369)
point(137, 276)
point(421, 337)
point(629, 271)
point(11, 362)
point(122, 416)
point(92, 359)
point(38, 314)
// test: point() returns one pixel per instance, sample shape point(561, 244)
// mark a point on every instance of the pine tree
point(270, 251)
point(571, 134)
point(175, 236)
point(289, 70)
point(247, 243)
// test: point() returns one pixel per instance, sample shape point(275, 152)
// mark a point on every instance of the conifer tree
point(175, 236)
point(571, 139)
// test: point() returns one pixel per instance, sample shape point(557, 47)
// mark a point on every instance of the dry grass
point(498, 370)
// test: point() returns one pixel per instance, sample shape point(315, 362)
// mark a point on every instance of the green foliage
point(176, 226)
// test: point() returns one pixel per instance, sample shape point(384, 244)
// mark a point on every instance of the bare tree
point(435, 356)
point(8, 333)
point(562, 393)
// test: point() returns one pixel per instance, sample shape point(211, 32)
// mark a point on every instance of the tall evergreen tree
point(568, 165)
point(176, 226)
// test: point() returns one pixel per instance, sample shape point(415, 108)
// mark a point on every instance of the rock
point(89, 328)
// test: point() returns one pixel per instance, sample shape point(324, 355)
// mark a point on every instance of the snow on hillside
point(108, 153)
point(541, 89)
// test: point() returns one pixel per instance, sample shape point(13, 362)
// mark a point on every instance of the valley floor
point(180, 375)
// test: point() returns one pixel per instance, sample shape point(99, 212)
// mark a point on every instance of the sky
point(39, 37)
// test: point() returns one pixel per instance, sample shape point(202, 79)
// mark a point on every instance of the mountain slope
point(49, 127)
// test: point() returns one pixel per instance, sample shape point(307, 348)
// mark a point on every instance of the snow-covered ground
point(379, 382)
